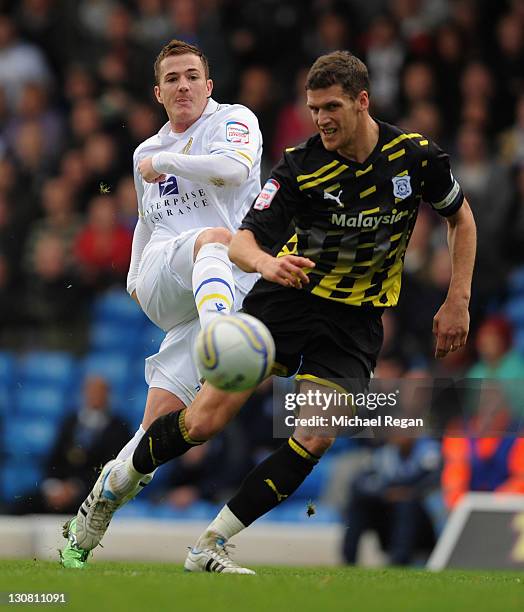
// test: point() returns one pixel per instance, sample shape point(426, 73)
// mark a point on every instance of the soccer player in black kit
point(350, 195)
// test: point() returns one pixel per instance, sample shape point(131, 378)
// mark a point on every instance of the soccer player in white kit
point(195, 181)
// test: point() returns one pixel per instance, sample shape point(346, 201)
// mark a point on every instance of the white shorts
point(165, 291)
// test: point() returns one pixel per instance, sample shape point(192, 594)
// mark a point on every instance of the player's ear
point(363, 100)
point(158, 94)
point(209, 87)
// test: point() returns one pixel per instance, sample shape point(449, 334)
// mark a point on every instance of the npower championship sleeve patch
point(237, 132)
point(265, 197)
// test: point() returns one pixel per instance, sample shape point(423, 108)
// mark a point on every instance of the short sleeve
point(236, 133)
point(441, 190)
point(274, 208)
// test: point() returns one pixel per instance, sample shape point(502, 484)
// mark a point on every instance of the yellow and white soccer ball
point(235, 352)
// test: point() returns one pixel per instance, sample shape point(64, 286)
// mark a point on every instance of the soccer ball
point(235, 352)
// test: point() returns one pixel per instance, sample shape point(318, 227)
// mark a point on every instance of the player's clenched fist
point(287, 270)
point(450, 327)
point(148, 173)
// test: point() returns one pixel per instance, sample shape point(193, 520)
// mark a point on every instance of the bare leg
point(160, 402)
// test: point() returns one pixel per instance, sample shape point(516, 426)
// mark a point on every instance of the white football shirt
point(178, 204)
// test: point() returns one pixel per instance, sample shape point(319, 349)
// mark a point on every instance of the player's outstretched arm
point(451, 323)
point(288, 270)
point(216, 169)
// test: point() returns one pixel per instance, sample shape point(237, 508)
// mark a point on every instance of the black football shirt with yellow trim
point(354, 220)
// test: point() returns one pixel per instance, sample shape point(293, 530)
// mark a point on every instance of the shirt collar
point(211, 107)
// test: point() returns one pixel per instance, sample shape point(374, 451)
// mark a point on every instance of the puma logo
point(271, 485)
point(329, 196)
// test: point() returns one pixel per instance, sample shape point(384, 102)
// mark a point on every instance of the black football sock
point(165, 439)
point(273, 481)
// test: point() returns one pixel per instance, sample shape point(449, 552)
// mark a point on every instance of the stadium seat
point(48, 401)
point(5, 398)
point(114, 367)
point(136, 508)
point(142, 508)
point(47, 367)
point(129, 405)
point(110, 336)
point(26, 439)
point(138, 371)
point(203, 511)
point(115, 306)
point(18, 478)
point(7, 367)
point(198, 511)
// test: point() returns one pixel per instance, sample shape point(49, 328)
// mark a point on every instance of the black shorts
point(316, 338)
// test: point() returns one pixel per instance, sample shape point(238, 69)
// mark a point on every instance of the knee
point(316, 445)
point(211, 235)
point(157, 409)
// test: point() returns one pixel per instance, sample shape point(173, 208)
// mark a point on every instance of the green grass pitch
point(154, 587)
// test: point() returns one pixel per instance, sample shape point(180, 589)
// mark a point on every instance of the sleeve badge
point(237, 132)
point(265, 197)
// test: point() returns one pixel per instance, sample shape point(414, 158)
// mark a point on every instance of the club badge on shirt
point(265, 197)
point(237, 132)
point(402, 186)
point(168, 187)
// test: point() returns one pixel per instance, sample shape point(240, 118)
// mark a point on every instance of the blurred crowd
point(76, 98)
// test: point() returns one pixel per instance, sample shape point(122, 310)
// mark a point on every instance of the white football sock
point(128, 451)
point(213, 284)
point(129, 448)
point(123, 478)
point(225, 524)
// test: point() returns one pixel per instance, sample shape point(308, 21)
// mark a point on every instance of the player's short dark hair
point(179, 47)
point(339, 68)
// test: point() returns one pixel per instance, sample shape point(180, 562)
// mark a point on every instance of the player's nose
point(323, 120)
